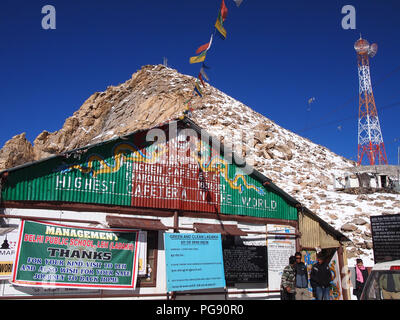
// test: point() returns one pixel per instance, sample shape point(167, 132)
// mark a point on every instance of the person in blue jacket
point(302, 292)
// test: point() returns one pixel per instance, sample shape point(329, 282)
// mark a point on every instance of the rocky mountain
point(155, 94)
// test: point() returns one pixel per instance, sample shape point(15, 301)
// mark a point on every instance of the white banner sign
point(280, 248)
point(142, 253)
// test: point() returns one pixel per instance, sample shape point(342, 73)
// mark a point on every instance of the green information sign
point(56, 255)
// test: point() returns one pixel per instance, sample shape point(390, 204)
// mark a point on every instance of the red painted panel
point(175, 181)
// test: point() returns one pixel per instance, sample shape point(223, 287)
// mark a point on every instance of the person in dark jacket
point(320, 278)
point(288, 280)
point(302, 292)
point(361, 278)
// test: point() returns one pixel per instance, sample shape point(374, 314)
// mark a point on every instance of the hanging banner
point(194, 261)
point(280, 248)
point(142, 268)
point(309, 257)
point(8, 241)
point(56, 255)
point(335, 291)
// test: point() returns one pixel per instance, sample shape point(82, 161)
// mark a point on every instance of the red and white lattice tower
point(370, 140)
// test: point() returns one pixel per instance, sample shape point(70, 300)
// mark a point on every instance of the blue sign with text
point(194, 261)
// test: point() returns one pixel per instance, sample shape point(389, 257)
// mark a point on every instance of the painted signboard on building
point(178, 173)
point(56, 255)
point(194, 261)
point(8, 241)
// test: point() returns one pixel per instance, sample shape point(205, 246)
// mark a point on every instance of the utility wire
point(386, 76)
point(349, 117)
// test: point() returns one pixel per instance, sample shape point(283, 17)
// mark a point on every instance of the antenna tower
point(370, 140)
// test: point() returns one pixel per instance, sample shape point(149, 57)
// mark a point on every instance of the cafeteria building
point(92, 223)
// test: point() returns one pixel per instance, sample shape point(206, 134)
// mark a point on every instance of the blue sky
point(277, 55)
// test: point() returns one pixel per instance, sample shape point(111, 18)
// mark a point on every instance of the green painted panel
point(103, 176)
point(241, 194)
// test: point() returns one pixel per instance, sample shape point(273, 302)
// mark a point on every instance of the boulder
point(333, 216)
point(16, 151)
point(260, 136)
point(359, 221)
point(287, 153)
point(348, 227)
point(262, 127)
point(379, 204)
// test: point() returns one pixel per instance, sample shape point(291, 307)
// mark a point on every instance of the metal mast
point(370, 140)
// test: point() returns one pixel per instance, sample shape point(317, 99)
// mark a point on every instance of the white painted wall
point(7, 289)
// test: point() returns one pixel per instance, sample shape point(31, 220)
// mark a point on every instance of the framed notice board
point(245, 264)
point(386, 237)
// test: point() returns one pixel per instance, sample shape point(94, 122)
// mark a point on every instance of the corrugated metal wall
point(326, 240)
point(309, 229)
point(313, 236)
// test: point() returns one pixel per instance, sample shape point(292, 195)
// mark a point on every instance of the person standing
point(320, 278)
point(302, 292)
point(288, 280)
point(361, 278)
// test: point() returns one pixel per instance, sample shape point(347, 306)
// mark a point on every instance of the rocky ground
point(155, 94)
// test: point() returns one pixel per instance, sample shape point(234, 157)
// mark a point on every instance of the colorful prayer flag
point(205, 46)
point(224, 11)
point(219, 24)
point(188, 100)
point(200, 58)
point(201, 79)
point(220, 27)
point(197, 89)
point(203, 73)
point(238, 2)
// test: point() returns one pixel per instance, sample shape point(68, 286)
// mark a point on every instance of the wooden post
point(342, 275)
point(176, 222)
point(298, 247)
